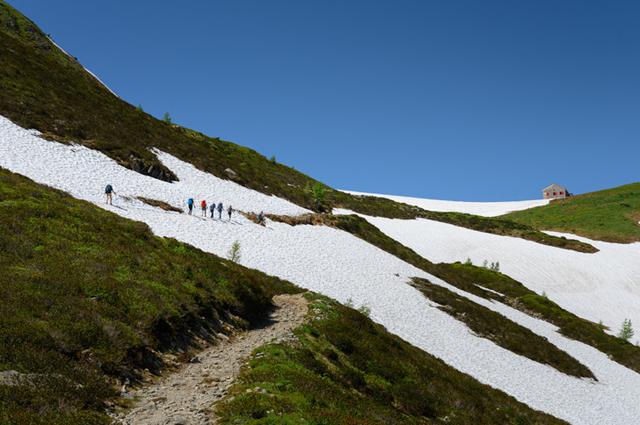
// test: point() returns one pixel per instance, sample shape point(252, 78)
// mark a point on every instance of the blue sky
point(470, 100)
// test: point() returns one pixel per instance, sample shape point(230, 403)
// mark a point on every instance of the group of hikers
point(212, 207)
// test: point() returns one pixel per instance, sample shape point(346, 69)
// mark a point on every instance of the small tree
point(468, 262)
point(318, 192)
point(167, 118)
point(139, 108)
point(234, 252)
point(273, 159)
point(626, 331)
point(485, 264)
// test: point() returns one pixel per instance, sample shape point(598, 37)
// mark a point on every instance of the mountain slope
point(337, 264)
point(348, 370)
point(88, 297)
point(610, 215)
point(323, 259)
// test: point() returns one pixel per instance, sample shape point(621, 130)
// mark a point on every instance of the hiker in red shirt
point(203, 206)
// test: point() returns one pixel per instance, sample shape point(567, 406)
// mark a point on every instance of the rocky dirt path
point(187, 396)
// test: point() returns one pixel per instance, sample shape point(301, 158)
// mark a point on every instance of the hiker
point(109, 192)
point(203, 206)
point(220, 208)
point(190, 205)
point(230, 211)
point(261, 218)
point(212, 208)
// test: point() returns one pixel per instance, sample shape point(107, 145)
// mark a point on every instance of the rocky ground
point(187, 396)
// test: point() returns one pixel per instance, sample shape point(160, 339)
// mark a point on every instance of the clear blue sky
point(471, 100)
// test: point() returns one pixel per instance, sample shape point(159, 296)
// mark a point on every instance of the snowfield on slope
point(601, 286)
point(486, 209)
point(337, 264)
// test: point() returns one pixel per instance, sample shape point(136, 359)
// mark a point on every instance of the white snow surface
point(486, 209)
point(336, 264)
point(601, 286)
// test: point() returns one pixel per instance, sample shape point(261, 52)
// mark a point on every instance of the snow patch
point(337, 264)
point(486, 209)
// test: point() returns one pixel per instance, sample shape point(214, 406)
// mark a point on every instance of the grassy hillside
point(42, 88)
point(87, 298)
point(346, 370)
point(609, 215)
point(90, 298)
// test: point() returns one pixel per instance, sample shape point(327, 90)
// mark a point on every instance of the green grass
point(42, 88)
point(504, 332)
point(468, 277)
point(87, 295)
point(610, 215)
point(344, 369)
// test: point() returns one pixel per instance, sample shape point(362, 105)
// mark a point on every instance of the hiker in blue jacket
point(220, 208)
point(109, 192)
point(212, 208)
point(190, 205)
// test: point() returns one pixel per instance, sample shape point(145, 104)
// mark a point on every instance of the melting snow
point(337, 264)
point(601, 286)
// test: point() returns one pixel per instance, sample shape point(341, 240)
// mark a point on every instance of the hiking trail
point(187, 396)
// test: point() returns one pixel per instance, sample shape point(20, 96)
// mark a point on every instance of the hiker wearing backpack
point(190, 205)
point(203, 206)
point(261, 219)
point(212, 208)
point(230, 211)
point(220, 208)
point(109, 192)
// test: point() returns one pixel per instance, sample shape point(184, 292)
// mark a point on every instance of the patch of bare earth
point(188, 395)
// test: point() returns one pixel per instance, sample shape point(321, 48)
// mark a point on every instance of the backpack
point(108, 189)
point(203, 204)
point(190, 201)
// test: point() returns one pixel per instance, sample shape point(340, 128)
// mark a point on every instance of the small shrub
point(626, 330)
point(167, 118)
point(234, 252)
point(349, 303)
point(468, 262)
point(139, 108)
point(485, 264)
point(273, 159)
point(365, 309)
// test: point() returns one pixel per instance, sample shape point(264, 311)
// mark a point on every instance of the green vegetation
point(609, 215)
point(344, 369)
point(626, 331)
point(234, 252)
point(88, 297)
point(42, 88)
point(471, 279)
point(504, 332)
